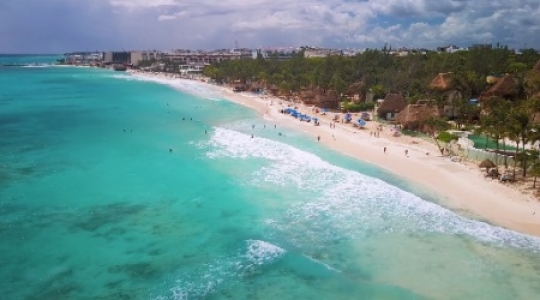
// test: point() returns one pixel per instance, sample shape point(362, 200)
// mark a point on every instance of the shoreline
point(461, 187)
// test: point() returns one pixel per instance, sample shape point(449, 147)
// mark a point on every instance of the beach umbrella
point(486, 163)
point(361, 122)
point(315, 119)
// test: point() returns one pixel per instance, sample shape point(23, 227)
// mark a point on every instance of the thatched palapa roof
point(326, 99)
point(414, 114)
point(505, 87)
point(307, 95)
point(392, 103)
point(443, 81)
point(255, 86)
point(354, 88)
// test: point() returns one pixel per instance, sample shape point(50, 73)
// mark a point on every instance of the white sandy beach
point(462, 187)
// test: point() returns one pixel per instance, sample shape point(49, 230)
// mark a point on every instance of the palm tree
point(534, 157)
point(436, 125)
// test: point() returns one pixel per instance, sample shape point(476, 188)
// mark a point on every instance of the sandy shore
point(461, 187)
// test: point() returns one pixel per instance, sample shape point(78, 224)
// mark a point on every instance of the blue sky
point(57, 26)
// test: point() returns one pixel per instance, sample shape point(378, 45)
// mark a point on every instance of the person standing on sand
point(384, 150)
point(406, 152)
point(318, 138)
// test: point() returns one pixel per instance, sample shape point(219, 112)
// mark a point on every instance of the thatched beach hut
point(307, 96)
point(442, 82)
point(413, 116)
point(256, 87)
point(390, 106)
point(505, 87)
point(273, 90)
point(353, 91)
point(239, 88)
point(326, 99)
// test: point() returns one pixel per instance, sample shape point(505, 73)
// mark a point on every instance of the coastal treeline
point(378, 71)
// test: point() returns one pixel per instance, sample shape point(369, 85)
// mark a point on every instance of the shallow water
point(93, 205)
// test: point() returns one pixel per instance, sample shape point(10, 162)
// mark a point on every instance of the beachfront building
point(413, 116)
point(390, 106)
point(442, 83)
point(152, 55)
point(451, 49)
point(200, 58)
point(244, 53)
point(505, 87)
point(83, 58)
point(123, 57)
point(190, 71)
point(280, 54)
point(320, 52)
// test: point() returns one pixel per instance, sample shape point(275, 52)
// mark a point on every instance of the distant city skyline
point(59, 26)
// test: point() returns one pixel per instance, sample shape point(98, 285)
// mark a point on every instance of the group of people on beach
point(406, 151)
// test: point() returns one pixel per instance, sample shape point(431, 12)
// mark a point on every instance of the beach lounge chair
point(507, 177)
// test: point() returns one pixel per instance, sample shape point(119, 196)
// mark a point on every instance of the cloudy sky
point(57, 26)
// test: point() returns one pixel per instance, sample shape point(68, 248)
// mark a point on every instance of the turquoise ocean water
point(93, 205)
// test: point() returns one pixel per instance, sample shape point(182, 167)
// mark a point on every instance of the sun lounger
point(507, 177)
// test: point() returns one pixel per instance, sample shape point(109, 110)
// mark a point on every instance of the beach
point(462, 187)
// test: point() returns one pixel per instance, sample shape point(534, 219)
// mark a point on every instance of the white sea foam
point(189, 86)
point(37, 66)
point(254, 254)
point(349, 204)
point(261, 252)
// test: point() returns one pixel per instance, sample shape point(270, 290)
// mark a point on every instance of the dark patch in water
point(155, 252)
point(137, 270)
point(105, 215)
point(11, 119)
point(113, 284)
point(55, 288)
point(112, 233)
point(62, 292)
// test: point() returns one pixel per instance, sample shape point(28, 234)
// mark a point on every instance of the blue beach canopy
point(315, 119)
point(361, 122)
